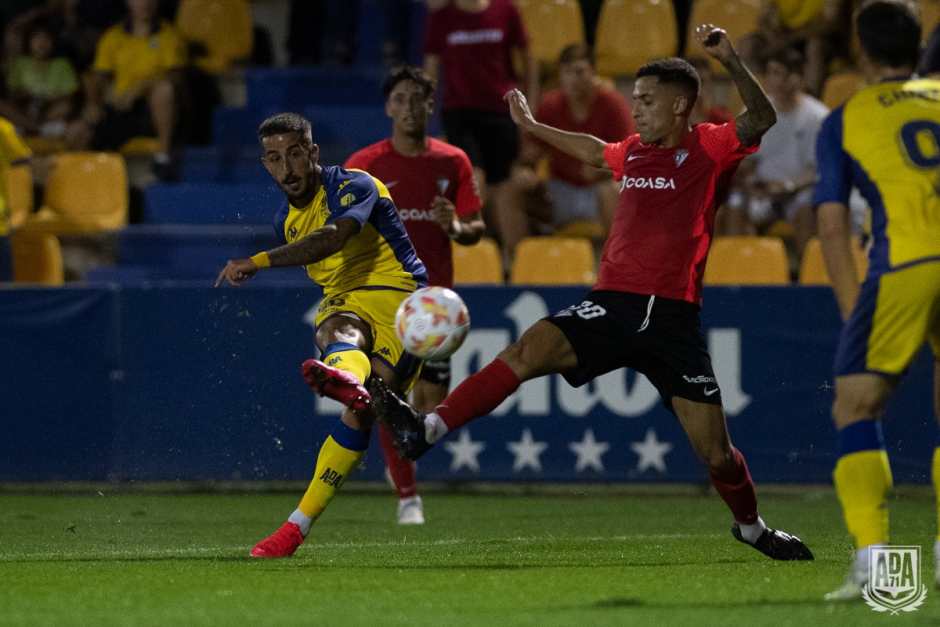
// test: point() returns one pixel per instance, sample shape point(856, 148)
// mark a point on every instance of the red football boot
point(336, 384)
point(281, 543)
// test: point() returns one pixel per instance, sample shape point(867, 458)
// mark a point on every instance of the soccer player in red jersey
point(643, 312)
point(432, 185)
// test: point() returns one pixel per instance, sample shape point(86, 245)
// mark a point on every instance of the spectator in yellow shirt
point(12, 152)
point(134, 91)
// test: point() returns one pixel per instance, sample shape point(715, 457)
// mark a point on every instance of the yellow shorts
point(377, 307)
point(895, 314)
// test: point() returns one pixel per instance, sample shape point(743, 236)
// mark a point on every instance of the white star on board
point(589, 452)
point(651, 451)
point(527, 452)
point(464, 452)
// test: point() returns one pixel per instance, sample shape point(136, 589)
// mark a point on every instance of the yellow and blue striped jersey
point(379, 255)
point(886, 142)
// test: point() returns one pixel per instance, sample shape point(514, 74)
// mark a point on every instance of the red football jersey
point(662, 230)
point(413, 182)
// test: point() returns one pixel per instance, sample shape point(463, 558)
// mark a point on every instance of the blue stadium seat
point(289, 89)
point(212, 203)
point(223, 164)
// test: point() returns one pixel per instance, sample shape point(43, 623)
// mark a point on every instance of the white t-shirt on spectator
point(788, 149)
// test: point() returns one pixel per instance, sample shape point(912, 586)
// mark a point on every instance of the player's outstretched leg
point(542, 349)
point(862, 476)
point(402, 475)
point(707, 429)
point(343, 367)
point(338, 456)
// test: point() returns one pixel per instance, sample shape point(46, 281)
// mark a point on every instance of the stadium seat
point(813, 265)
point(140, 146)
point(581, 228)
point(223, 27)
point(552, 25)
point(20, 193)
point(37, 258)
point(553, 261)
point(480, 264)
point(929, 17)
point(738, 17)
point(839, 87)
point(86, 192)
point(747, 260)
point(631, 32)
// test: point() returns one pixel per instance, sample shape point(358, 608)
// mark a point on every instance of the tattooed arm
point(320, 244)
point(759, 114)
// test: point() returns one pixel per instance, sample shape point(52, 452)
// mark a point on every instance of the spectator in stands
point(472, 42)
point(706, 107)
point(778, 182)
point(134, 89)
point(12, 152)
point(40, 87)
point(573, 192)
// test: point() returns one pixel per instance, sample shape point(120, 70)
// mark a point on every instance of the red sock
point(478, 395)
point(401, 470)
point(737, 490)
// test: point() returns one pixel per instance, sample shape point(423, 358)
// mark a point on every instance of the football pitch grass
point(596, 558)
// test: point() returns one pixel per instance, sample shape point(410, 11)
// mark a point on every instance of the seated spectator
point(12, 152)
point(40, 86)
point(777, 181)
point(134, 89)
point(573, 192)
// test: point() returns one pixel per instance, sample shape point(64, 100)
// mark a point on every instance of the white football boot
point(410, 511)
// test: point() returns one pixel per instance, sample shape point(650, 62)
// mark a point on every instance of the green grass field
point(590, 559)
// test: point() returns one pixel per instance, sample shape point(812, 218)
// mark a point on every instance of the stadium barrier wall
point(190, 383)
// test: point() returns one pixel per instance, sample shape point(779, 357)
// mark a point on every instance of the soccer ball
point(432, 323)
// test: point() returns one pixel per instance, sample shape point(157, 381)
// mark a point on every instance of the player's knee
point(853, 406)
point(345, 333)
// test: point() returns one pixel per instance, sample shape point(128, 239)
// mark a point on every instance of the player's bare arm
point(581, 146)
point(759, 114)
point(835, 236)
point(320, 244)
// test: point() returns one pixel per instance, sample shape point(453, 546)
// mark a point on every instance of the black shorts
point(436, 372)
point(118, 127)
point(659, 337)
point(489, 138)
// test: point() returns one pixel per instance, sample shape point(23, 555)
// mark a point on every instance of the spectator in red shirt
point(574, 191)
point(470, 44)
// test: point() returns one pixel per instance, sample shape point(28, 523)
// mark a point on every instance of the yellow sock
point(338, 456)
point(349, 358)
point(935, 474)
point(862, 479)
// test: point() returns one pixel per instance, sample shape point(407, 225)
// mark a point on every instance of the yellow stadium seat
point(480, 264)
point(581, 228)
point(632, 32)
point(20, 192)
point(813, 265)
point(37, 258)
point(224, 27)
point(553, 261)
point(552, 25)
point(839, 87)
point(747, 260)
point(86, 192)
point(140, 146)
point(738, 17)
point(929, 17)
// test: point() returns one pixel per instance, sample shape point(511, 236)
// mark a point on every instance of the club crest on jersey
point(681, 156)
point(647, 182)
point(442, 185)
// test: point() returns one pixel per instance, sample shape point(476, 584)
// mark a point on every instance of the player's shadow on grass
point(619, 603)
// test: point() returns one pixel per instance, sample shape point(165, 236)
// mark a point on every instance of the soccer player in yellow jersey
point(12, 152)
point(343, 227)
point(886, 142)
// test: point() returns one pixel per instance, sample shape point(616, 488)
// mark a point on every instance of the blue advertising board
point(189, 383)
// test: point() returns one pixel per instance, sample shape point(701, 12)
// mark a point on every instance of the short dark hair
point(576, 52)
point(787, 56)
point(286, 123)
point(408, 73)
point(889, 32)
point(674, 71)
